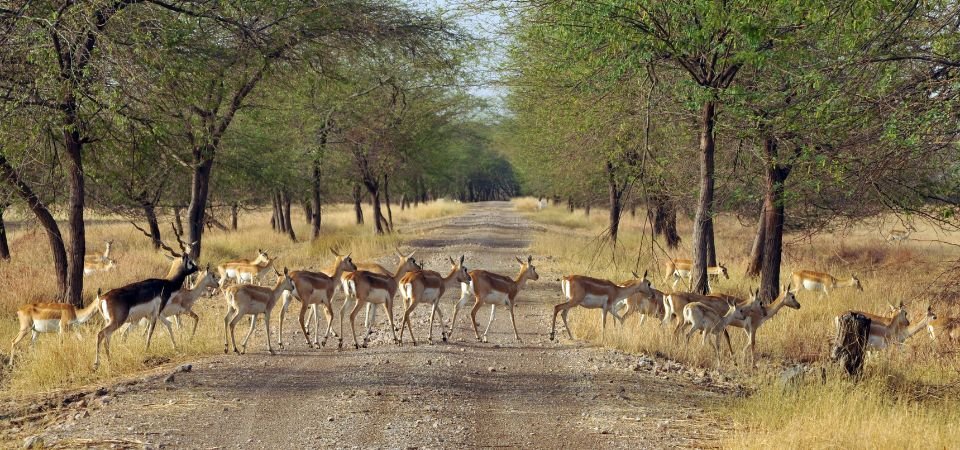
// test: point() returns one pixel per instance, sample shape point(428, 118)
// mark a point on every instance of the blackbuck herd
point(369, 285)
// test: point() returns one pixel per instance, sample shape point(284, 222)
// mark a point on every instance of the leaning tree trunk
point(234, 212)
point(46, 220)
point(4, 247)
point(177, 221)
point(570, 205)
point(276, 222)
point(308, 211)
point(199, 193)
point(773, 207)
point(149, 212)
point(357, 208)
point(702, 224)
point(378, 220)
point(755, 265)
point(386, 198)
point(285, 197)
point(663, 216)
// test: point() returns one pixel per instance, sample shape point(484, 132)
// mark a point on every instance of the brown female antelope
point(899, 235)
point(50, 317)
point(705, 318)
point(427, 287)
point(182, 301)
point(367, 287)
point(244, 270)
point(786, 298)
point(823, 282)
point(884, 332)
point(680, 269)
point(944, 326)
point(95, 258)
point(643, 304)
point(594, 293)
point(406, 264)
point(315, 289)
point(488, 288)
point(92, 267)
point(137, 300)
point(248, 299)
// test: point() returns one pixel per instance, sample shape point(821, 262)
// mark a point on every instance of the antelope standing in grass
point(594, 293)
point(130, 303)
point(681, 269)
point(427, 287)
point(104, 257)
point(487, 288)
point(367, 287)
point(39, 318)
point(899, 235)
point(705, 318)
point(893, 330)
point(823, 282)
point(248, 299)
point(643, 304)
point(92, 267)
point(944, 326)
point(753, 310)
point(315, 289)
point(182, 301)
point(244, 270)
point(786, 298)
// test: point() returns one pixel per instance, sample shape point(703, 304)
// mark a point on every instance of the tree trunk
point(177, 222)
point(315, 199)
point(150, 213)
point(46, 220)
point(275, 220)
point(702, 224)
point(378, 220)
point(570, 205)
point(199, 193)
point(850, 344)
point(286, 215)
point(616, 202)
point(357, 208)
point(773, 207)
point(78, 244)
point(711, 245)
point(4, 247)
point(586, 208)
point(386, 197)
point(308, 211)
point(234, 212)
point(756, 251)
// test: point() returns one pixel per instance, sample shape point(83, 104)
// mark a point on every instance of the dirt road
point(460, 394)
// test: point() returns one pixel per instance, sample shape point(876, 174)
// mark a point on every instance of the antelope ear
point(334, 252)
point(411, 254)
point(518, 259)
point(529, 259)
point(644, 275)
point(789, 285)
point(285, 271)
point(451, 260)
point(461, 260)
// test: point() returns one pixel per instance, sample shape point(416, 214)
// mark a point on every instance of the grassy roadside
point(907, 400)
point(52, 364)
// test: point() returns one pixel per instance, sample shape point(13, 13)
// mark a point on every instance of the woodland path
point(458, 394)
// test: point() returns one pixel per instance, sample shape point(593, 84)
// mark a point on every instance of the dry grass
point(909, 399)
point(54, 365)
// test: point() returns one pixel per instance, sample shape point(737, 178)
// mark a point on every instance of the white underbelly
point(812, 285)
point(681, 273)
point(496, 298)
point(88, 271)
point(231, 273)
point(46, 325)
point(430, 295)
point(246, 277)
point(378, 296)
point(593, 301)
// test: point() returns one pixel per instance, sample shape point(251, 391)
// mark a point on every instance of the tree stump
point(849, 348)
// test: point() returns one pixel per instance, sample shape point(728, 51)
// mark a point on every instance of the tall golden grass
point(53, 364)
point(908, 398)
